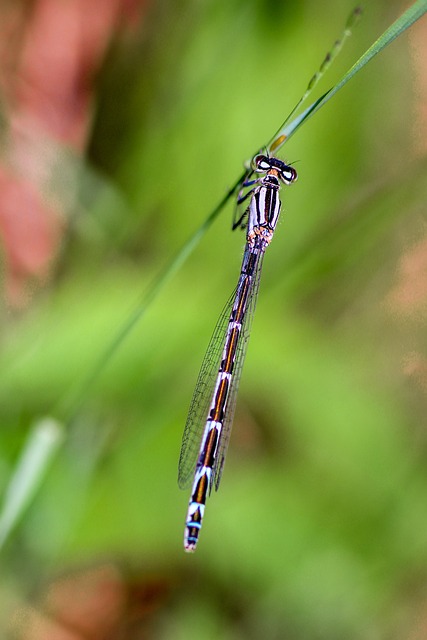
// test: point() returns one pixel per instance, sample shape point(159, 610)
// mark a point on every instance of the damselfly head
point(285, 172)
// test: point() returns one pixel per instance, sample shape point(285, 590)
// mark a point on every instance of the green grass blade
point(280, 137)
point(43, 441)
point(411, 15)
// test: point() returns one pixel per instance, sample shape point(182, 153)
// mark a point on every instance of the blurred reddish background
point(50, 54)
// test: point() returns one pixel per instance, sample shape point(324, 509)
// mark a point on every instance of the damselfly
point(207, 431)
point(214, 399)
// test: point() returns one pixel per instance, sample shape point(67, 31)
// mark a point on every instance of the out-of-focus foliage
point(318, 531)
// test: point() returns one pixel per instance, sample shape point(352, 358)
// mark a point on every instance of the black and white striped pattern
point(264, 208)
point(214, 400)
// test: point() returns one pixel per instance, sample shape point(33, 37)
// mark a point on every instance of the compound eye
point(288, 175)
point(262, 164)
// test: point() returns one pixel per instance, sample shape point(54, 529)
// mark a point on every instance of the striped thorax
point(265, 205)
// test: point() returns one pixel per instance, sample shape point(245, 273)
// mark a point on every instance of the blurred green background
point(319, 529)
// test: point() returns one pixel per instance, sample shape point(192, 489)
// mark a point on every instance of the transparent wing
point(202, 397)
point(237, 372)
